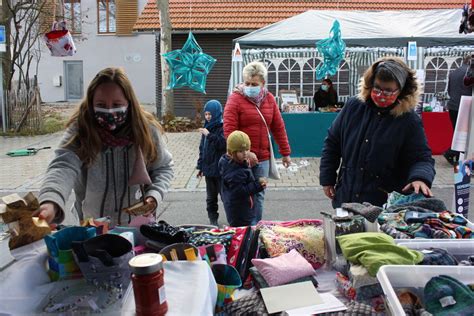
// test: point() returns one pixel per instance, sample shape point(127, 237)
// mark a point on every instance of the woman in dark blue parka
point(377, 143)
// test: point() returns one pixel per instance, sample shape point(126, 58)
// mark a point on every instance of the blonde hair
point(87, 143)
point(253, 69)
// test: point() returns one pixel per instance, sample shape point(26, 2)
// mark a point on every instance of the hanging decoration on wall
point(59, 40)
point(332, 49)
point(189, 66)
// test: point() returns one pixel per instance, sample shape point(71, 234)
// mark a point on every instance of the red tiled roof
point(254, 14)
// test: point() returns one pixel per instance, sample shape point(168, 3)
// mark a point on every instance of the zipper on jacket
point(114, 183)
point(102, 204)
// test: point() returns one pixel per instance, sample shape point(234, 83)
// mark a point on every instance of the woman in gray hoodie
point(108, 141)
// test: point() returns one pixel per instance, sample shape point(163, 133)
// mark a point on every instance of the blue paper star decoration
point(332, 49)
point(189, 66)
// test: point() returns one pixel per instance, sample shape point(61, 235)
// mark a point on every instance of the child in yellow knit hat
point(238, 182)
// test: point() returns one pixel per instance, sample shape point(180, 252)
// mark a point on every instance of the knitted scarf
point(114, 140)
point(257, 100)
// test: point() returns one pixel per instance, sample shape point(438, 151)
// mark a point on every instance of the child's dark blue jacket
point(238, 186)
point(212, 147)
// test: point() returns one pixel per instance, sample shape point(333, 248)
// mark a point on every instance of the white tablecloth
point(190, 286)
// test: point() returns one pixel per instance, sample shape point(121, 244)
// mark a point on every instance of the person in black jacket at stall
point(326, 95)
point(379, 139)
point(211, 149)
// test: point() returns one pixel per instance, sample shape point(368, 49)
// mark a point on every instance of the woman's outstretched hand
point(46, 211)
point(418, 186)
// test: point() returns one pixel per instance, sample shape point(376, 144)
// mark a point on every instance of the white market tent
point(364, 29)
point(368, 35)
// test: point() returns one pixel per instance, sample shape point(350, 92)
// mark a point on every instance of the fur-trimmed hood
point(408, 98)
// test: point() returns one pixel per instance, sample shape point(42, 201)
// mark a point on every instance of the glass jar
point(148, 284)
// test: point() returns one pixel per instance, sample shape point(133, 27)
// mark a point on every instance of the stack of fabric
point(415, 216)
point(426, 218)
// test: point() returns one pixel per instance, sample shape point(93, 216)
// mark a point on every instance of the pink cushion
point(284, 268)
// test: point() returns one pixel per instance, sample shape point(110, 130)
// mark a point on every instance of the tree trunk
point(167, 100)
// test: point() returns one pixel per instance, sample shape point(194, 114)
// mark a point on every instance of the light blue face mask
point(252, 92)
point(324, 87)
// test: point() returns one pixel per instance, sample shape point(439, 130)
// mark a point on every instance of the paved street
point(296, 195)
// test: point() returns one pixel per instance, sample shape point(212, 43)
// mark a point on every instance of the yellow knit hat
point(237, 141)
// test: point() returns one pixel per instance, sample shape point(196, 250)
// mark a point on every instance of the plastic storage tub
point(459, 248)
point(392, 277)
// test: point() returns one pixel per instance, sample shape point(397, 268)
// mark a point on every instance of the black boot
point(213, 222)
point(449, 158)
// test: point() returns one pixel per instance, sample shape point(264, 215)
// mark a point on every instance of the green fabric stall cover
point(373, 250)
point(306, 132)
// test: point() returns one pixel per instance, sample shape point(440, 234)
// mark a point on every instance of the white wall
point(100, 51)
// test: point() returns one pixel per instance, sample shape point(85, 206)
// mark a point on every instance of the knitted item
point(393, 232)
point(444, 295)
point(396, 198)
point(417, 217)
point(438, 257)
point(113, 140)
point(237, 141)
point(369, 211)
point(449, 217)
point(429, 204)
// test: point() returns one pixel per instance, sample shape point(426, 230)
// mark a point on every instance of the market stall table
point(439, 131)
point(24, 285)
point(306, 132)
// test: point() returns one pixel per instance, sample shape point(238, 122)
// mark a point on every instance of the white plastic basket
point(392, 277)
point(459, 248)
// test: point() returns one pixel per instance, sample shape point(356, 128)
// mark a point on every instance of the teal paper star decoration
point(189, 66)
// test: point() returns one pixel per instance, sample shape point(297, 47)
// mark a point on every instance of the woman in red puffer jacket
point(241, 114)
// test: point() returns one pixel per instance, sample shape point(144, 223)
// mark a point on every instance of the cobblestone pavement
point(25, 173)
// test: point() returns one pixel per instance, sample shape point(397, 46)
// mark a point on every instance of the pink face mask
point(382, 100)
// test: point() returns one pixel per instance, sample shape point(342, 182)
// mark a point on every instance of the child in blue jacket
point(238, 182)
point(212, 147)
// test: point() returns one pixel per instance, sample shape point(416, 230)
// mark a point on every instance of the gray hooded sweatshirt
point(102, 188)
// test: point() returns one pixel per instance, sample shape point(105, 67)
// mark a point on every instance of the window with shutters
point(127, 13)
point(48, 16)
point(72, 15)
point(106, 16)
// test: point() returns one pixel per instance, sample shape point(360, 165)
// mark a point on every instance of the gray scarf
point(397, 71)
